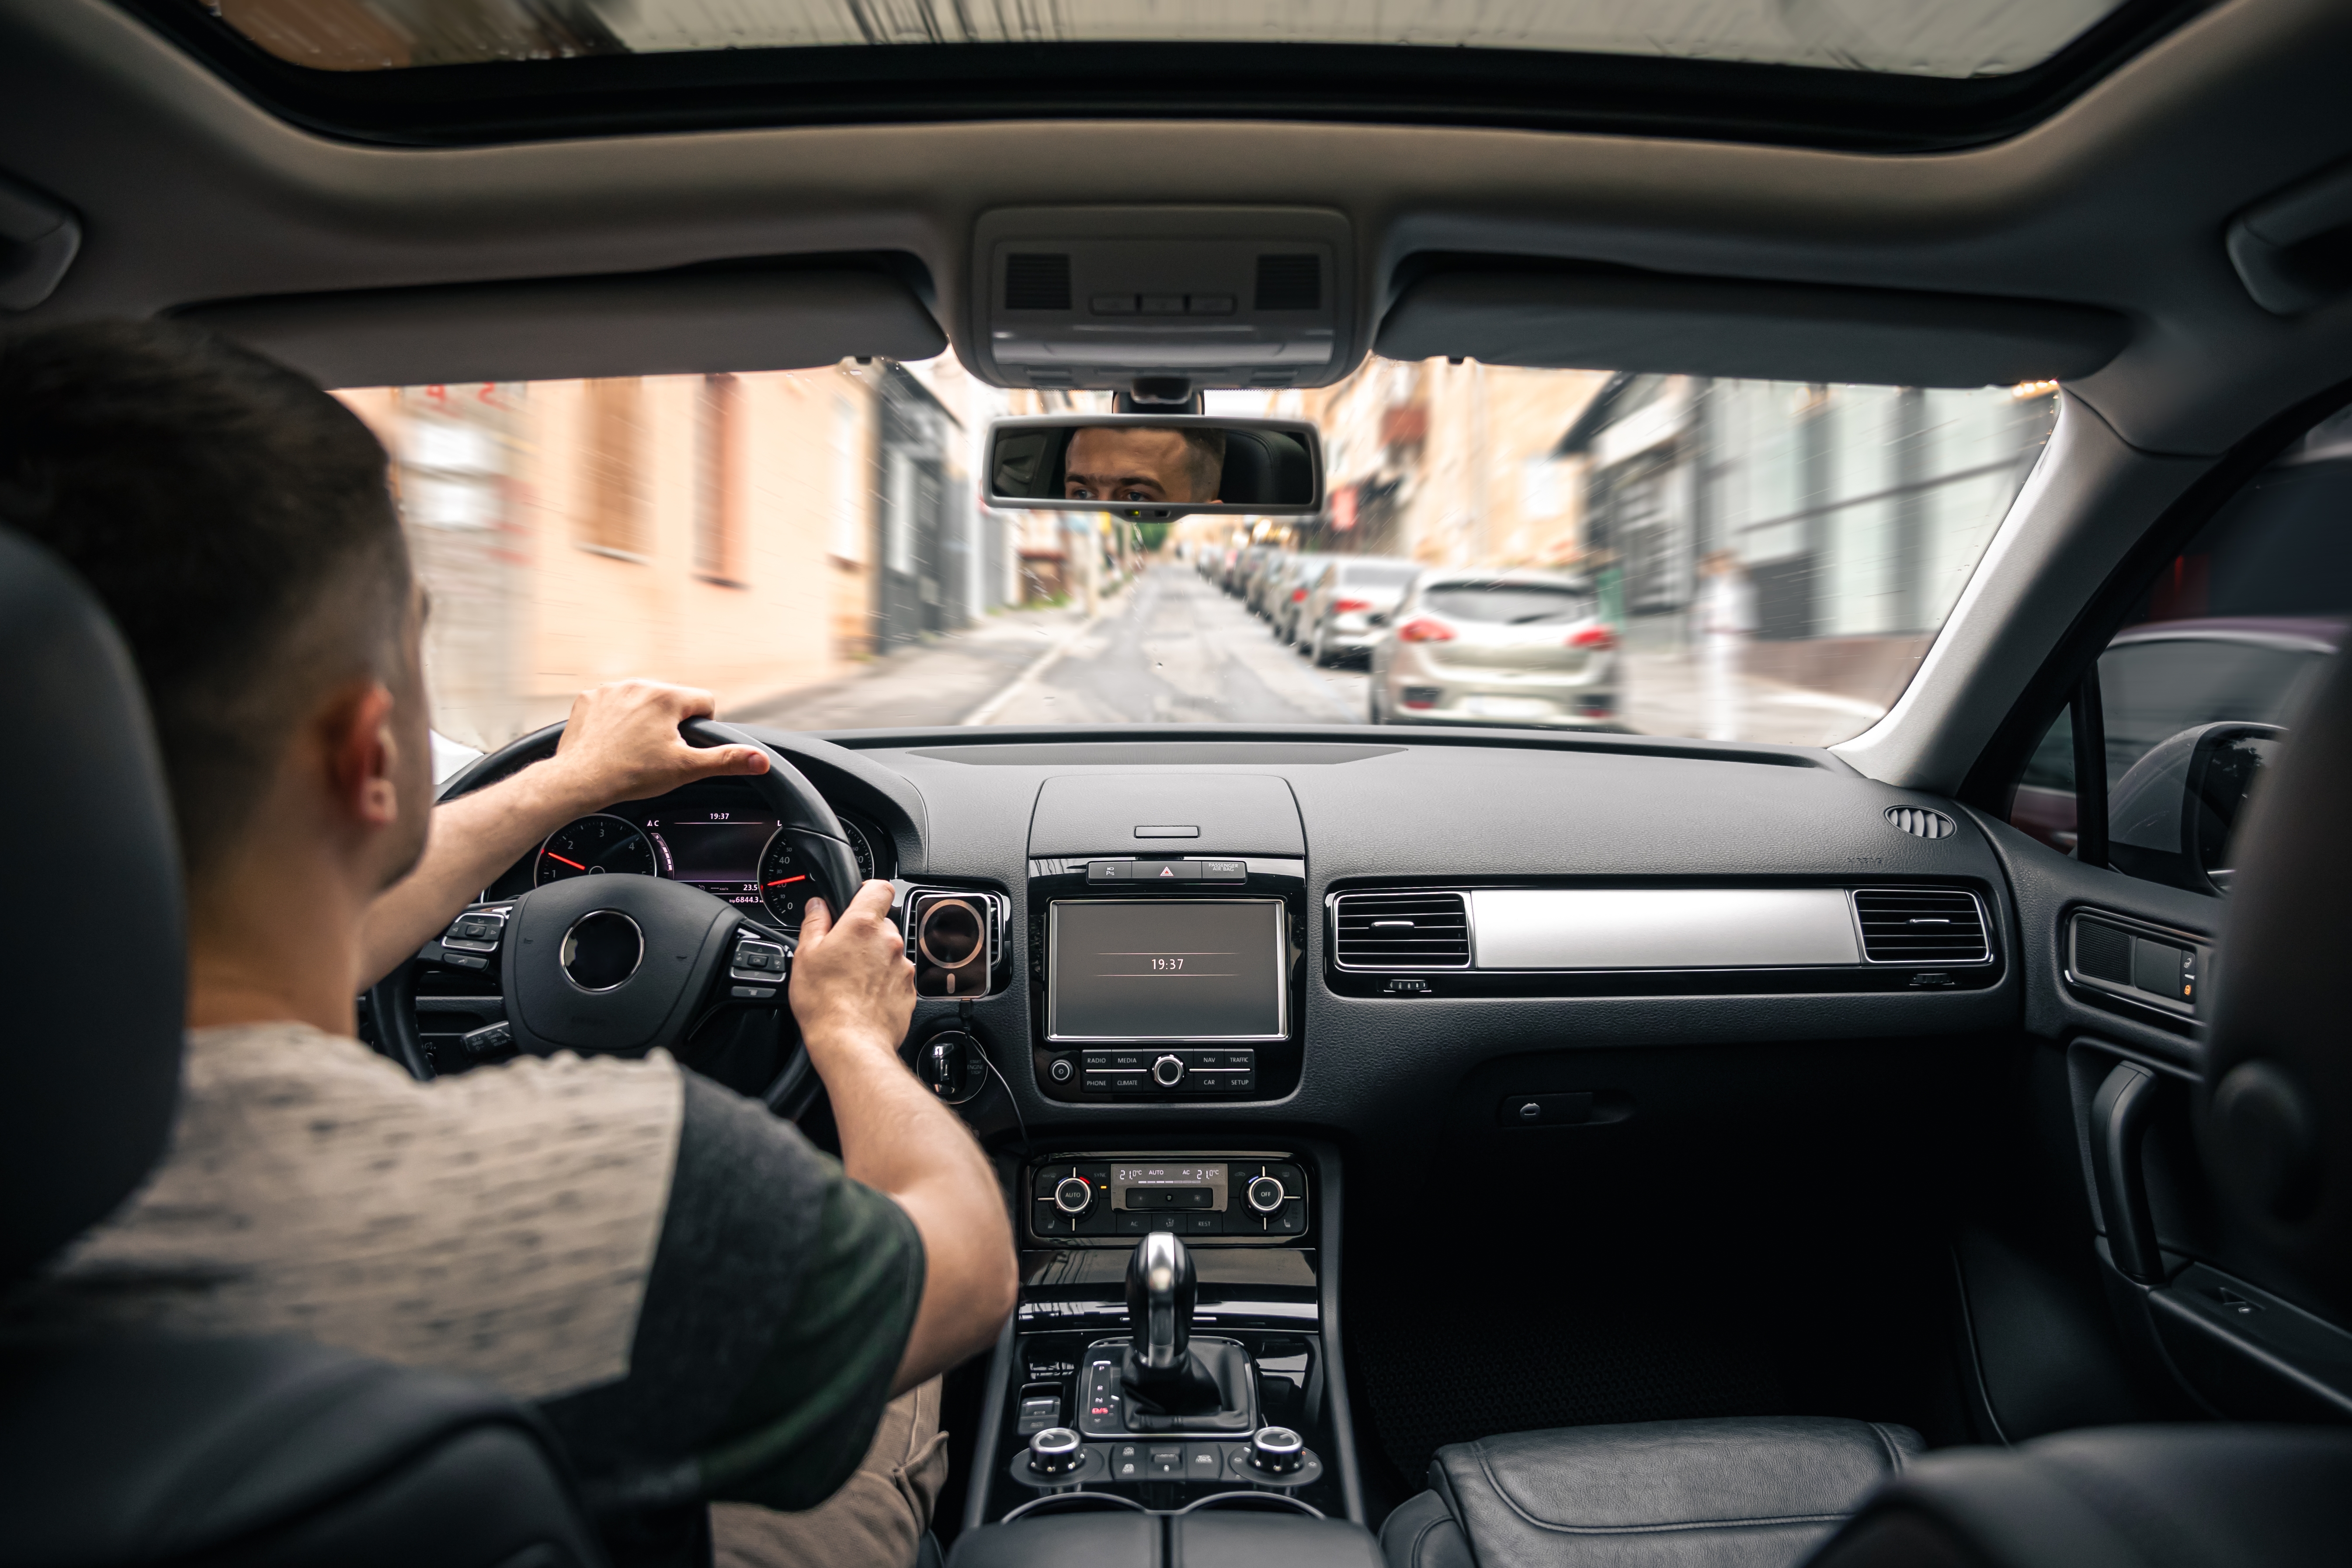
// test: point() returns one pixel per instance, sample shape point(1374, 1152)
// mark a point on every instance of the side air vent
point(1289, 282)
point(1921, 823)
point(1921, 925)
point(1034, 281)
point(1400, 931)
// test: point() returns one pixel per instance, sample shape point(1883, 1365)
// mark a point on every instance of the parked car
point(1270, 573)
point(1488, 647)
point(1245, 569)
point(1286, 596)
point(1338, 619)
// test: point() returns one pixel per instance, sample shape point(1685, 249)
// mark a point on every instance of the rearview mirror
point(1148, 466)
point(2176, 810)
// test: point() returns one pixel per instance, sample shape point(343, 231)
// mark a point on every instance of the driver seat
point(156, 1451)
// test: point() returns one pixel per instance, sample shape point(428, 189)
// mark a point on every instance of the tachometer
point(595, 845)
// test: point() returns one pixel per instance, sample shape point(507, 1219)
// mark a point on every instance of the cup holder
point(1077, 1502)
point(1254, 1502)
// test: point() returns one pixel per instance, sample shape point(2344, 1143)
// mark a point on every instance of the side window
point(2205, 678)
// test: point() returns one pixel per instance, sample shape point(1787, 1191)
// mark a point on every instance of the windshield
point(1752, 560)
point(1917, 38)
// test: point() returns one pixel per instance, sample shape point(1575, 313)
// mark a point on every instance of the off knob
point(1073, 1194)
point(1168, 1072)
point(1055, 1451)
point(1265, 1195)
point(1277, 1451)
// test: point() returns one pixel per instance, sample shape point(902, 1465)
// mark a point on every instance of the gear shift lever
point(1161, 1293)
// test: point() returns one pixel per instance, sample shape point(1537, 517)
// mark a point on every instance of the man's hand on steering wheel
point(852, 987)
point(621, 743)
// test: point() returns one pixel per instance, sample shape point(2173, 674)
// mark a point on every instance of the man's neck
point(274, 939)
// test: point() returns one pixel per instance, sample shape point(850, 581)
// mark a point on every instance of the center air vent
point(1921, 925)
point(1400, 931)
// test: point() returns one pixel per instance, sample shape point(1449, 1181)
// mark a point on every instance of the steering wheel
point(623, 965)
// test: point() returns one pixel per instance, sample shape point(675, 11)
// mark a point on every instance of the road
point(1173, 650)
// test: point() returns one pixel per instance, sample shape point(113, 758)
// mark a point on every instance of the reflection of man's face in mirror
point(1140, 465)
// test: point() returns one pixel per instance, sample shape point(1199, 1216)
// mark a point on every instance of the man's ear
point(363, 753)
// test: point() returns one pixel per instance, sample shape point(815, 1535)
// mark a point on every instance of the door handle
point(2120, 1115)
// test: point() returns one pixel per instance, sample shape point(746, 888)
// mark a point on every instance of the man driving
point(1143, 465)
point(700, 1302)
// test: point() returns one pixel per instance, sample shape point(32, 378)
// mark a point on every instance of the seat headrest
point(2276, 1111)
point(93, 968)
point(1262, 467)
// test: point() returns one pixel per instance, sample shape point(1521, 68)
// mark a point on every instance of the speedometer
point(595, 845)
point(861, 848)
point(784, 881)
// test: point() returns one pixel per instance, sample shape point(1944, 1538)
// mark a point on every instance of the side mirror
point(1182, 463)
point(2174, 813)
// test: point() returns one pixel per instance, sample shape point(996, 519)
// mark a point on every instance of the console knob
point(1055, 1451)
point(1265, 1195)
point(1168, 1072)
point(1277, 1451)
point(1073, 1194)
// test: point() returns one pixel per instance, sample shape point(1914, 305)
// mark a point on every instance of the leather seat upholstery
point(153, 1451)
point(1660, 1494)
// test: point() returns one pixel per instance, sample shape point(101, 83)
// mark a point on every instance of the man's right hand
point(852, 987)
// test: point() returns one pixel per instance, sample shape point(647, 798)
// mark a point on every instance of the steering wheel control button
point(1168, 1072)
point(602, 951)
point(1277, 1451)
point(755, 960)
point(475, 930)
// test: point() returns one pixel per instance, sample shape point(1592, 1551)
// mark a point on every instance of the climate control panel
point(1106, 1200)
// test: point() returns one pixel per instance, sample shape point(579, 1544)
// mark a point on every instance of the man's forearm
point(472, 840)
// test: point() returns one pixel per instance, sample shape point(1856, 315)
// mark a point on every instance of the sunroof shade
point(1947, 38)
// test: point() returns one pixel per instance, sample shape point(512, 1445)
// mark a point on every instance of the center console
point(1170, 1349)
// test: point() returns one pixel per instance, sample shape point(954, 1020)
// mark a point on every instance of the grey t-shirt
point(700, 1302)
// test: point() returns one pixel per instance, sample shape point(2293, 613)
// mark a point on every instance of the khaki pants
point(876, 1518)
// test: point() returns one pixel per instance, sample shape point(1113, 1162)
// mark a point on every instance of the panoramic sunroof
point(1948, 39)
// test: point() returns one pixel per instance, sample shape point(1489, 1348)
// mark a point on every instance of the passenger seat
point(1736, 1493)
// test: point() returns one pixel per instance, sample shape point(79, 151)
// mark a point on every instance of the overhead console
point(1159, 301)
point(1586, 940)
point(1168, 923)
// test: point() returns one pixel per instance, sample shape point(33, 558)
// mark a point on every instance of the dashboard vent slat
point(1920, 823)
point(1921, 925)
point(1400, 931)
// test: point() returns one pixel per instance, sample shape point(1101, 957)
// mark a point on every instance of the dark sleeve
point(778, 1310)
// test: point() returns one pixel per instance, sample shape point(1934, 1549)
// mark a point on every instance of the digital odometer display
point(718, 851)
point(1166, 969)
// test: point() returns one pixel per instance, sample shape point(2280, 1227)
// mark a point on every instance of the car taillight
point(1299, 595)
point(1422, 629)
point(1594, 637)
point(1346, 606)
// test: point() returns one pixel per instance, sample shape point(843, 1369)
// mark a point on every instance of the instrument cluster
point(710, 835)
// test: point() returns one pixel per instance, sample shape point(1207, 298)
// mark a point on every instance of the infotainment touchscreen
point(1166, 969)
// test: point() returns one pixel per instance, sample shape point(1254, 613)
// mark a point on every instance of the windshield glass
point(1753, 561)
point(1917, 37)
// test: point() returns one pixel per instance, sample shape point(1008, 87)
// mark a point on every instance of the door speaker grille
point(1400, 931)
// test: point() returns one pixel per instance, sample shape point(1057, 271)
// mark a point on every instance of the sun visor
point(656, 323)
point(1622, 319)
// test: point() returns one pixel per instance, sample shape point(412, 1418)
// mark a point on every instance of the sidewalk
point(1665, 694)
point(935, 682)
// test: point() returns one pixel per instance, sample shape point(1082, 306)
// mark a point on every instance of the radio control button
point(1168, 1072)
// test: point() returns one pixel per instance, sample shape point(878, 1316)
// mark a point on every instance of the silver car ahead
point(1467, 646)
point(1338, 621)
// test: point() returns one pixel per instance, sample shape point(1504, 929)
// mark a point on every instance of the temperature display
point(1175, 1186)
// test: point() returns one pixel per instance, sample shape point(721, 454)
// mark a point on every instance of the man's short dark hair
point(1204, 461)
point(234, 521)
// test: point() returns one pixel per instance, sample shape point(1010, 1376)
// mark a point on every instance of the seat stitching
point(1893, 1449)
point(1422, 1534)
point(1496, 1483)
